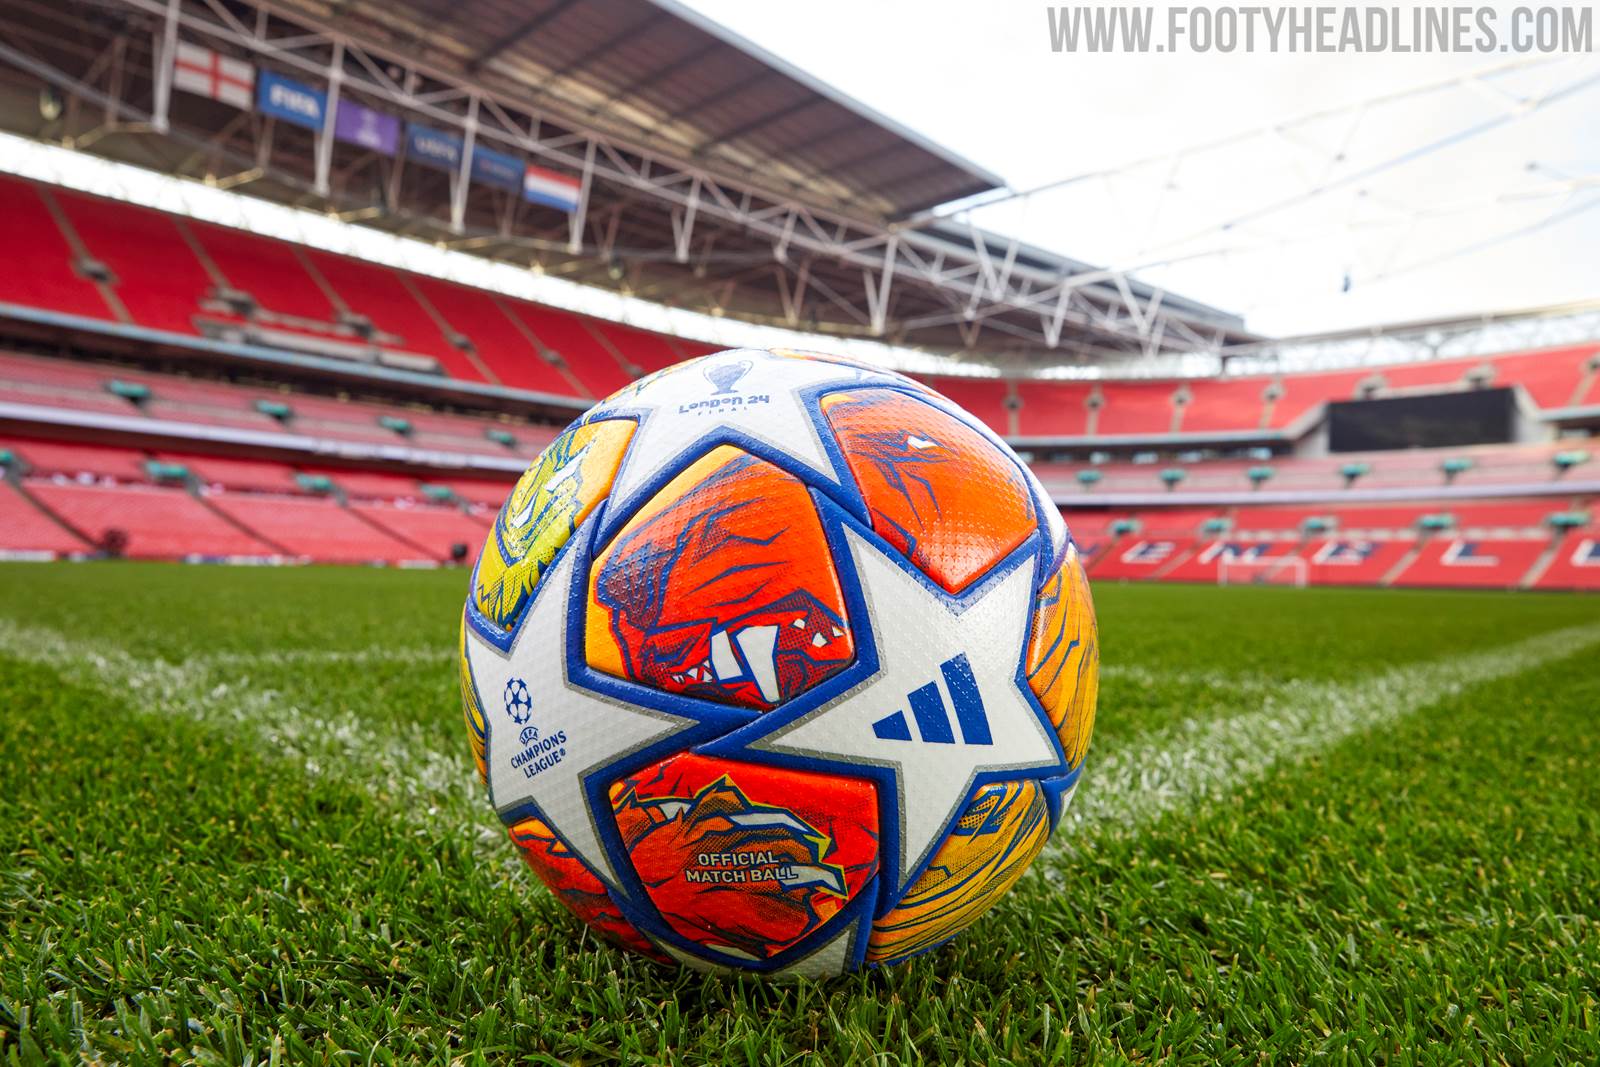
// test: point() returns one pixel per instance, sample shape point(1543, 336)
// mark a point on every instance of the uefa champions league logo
point(726, 375)
point(518, 704)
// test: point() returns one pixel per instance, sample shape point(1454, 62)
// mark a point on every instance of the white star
point(590, 731)
point(824, 961)
point(745, 393)
point(917, 716)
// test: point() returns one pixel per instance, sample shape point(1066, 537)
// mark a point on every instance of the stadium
point(293, 294)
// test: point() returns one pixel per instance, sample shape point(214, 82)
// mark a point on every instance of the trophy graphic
point(726, 375)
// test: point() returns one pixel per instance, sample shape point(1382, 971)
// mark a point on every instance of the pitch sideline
point(1128, 785)
point(1199, 761)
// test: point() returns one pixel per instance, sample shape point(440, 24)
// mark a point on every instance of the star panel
point(746, 860)
point(1064, 656)
point(935, 488)
point(761, 401)
point(721, 587)
point(551, 765)
point(576, 886)
point(549, 501)
point(943, 707)
point(990, 846)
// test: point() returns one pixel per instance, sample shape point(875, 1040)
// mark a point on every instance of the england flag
point(205, 73)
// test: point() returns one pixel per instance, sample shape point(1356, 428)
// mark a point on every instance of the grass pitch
point(238, 824)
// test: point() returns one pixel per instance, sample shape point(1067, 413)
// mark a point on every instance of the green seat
point(1565, 461)
point(1257, 475)
point(1568, 520)
point(137, 392)
point(275, 409)
point(1172, 476)
point(1125, 526)
point(395, 423)
point(1441, 520)
point(166, 472)
point(440, 493)
point(315, 483)
point(1089, 476)
point(500, 437)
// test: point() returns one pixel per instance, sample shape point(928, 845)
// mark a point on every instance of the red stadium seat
point(1227, 404)
point(160, 523)
point(318, 529)
point(1136, 408)
point(132, 241)
point(571, 337)
point(1575, 563)
point(71, 458)
point(269, 270)
point(500, 345)
point(26, 529)
point(378, 293)
point(432, 527)
point(373, 485)
point(1140, 556)
point(1053, 409)
point(39, 269)
point(262, 475)
point(984, 397)
point(1462, 561)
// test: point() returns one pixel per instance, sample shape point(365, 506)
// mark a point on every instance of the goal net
point(1268, 570)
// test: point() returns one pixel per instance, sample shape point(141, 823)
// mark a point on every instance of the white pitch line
point(1128, 783)
point(285, 657)
point(400, 765)
point(1200, 761)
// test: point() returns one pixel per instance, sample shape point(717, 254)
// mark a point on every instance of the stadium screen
point(1441, 420)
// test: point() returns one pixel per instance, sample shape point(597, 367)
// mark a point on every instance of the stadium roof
point(699, 172)
point(661, 73)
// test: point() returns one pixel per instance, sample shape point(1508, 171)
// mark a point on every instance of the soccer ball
point(798, 665)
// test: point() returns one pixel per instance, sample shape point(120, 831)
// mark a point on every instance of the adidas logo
point(933, 718)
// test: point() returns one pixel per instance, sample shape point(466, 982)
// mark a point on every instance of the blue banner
point(496, 168)
point(433, 148)
point(289, 100)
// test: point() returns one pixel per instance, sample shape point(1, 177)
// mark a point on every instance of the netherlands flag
point(551, 189)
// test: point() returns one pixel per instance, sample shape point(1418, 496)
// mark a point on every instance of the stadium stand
point(1053, 409)
point(1574, 561)
point(350, 479)
point(437, 530)
point(159, 523)
point(270, 272)
point(1226, 405)
point(72, 459)
point(1136, 408)
point(987, 398)
point(28, 531)
point(506, 353)
point(382, 296)
point(41, 269)
point(317, 529)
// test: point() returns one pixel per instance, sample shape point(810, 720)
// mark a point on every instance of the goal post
point(1267, 570)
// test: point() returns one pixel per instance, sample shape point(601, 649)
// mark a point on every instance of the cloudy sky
point(1504, 217)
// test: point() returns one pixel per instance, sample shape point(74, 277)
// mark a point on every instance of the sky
point(1504, 218)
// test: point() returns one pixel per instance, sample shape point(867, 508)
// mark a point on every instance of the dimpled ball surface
point(781, 663)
